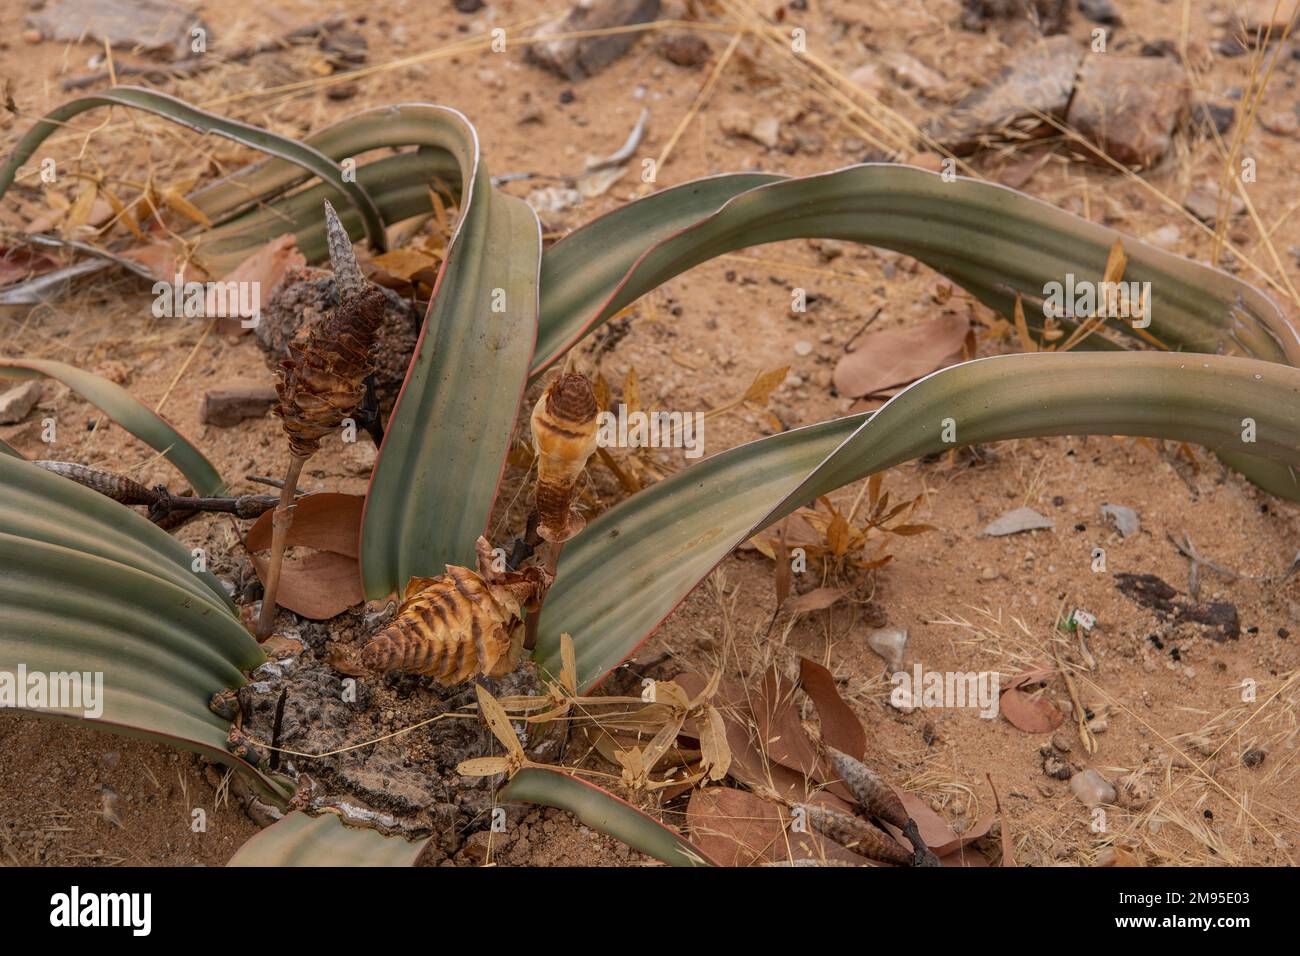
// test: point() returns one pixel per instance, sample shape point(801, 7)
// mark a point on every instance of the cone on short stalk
point(320, 384)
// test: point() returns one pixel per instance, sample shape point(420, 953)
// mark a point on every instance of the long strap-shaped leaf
point(630, 567)
point(445, 446)
point(388, 126)
point(89, 587)
point(603, 811)
point(993, 241)
point(302, 840)
point(183, 113)
point(121, 406)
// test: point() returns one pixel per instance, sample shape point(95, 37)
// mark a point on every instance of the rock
point(1040, 82)
point(1061, 742)
point(1134, 792)
point(231, 404)
point(736, 122)
point(1212, 116)
point(803, 348)
point(1124, 519)
point(685, 49)
point(1013, 522)
point(1252, 758)
point(910, 72)
point(1203, 202)
point(468, 6)
point(1091, 788)
point(870, 78)
point(32, 37)
point(1202, 745)
point(151, 25)
point(1166, 237)
point(1100, 11)
point(1098, 725)
point(767, 131)
point(1280, 124)
point(1129, 106)
point(890, 643)
point(1258, 16)
point(1052, 16)
point(16, 402)
point(577, 58)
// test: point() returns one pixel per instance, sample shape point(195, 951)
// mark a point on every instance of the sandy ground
point(969, 603)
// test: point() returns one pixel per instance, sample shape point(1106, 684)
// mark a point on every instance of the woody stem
point(551, 563)
point(280, 524)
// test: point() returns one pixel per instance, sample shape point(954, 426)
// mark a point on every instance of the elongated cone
point(455, 626)
point(564, 436)
point(112, 485)
point(855, 834)
point(879, 799)
point(323, 380)
point(872, 793)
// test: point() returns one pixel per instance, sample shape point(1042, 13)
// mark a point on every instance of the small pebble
point(1091, 788)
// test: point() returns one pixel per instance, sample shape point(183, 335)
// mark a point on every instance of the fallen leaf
point(840, 726)
point(735, 827)
point(1034, 715)
point(895, 357)
point(327, 582)
point(764, 383)
point(816, 600)
point(263, 270)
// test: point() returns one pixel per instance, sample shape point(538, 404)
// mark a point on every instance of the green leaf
point(991, 240)
point(601, 810)
point(445, 446)
point(87, 585)
point(8, 449)
point(119, 405)
point(629, 568)
point(183, 113)
point(301, 840)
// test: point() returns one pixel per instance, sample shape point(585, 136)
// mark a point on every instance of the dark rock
point(685, 49)
point(1050, 16)
point(1100, 11)
point(1129, 106)
point(1040, 82)
point(577, 58)
point(467, 6)
point(1209, 117)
